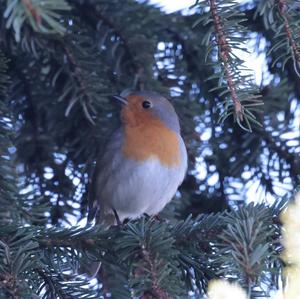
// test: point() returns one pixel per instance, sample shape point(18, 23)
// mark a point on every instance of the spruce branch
point(8, 281)
point(224, 50)
point(121, 49)
point(281, 16)
point(33, 11)
point(118, 32)
point(250, 234)
point(83, 90)
point(155, 291)
point(237, 90)
point(56, 285)
point(138, 70)
point(42, 16)
point(4, 77)
point(15, 207)
point(290, 158)
point(82, 66)
point(154, 256)
point(18, 255)
point(282, 7)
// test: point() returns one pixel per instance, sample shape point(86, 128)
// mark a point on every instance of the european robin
point(143, 163)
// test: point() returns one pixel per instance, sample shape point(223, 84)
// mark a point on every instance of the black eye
point(146, 104)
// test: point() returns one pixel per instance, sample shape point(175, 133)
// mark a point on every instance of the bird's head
point(148, 107)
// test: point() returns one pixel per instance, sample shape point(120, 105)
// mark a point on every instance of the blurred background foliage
point(61, 60)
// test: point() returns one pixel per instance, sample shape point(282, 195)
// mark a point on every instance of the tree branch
point(9, 281)
point(34, 12)
point(156, 291)
point(86, 12)
point(224, 50)
point(82, 86)
point(282, 153)
point(282, 10)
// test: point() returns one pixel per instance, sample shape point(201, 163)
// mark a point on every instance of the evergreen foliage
point(59, 63)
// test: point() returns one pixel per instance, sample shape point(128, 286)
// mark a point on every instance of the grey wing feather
point(106, 163)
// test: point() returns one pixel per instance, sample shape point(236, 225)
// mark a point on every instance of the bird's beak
point(120, 99)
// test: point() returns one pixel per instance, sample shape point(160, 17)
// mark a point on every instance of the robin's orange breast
point(147, 137)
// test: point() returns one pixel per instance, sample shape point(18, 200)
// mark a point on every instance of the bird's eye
point(146, 104)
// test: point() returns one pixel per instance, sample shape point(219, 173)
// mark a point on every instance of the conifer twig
point(224, 50)
point(156, 291)
point(32, 9)
point(82, 86)
point(282, 7)
point(282, 11)
point(8, 281)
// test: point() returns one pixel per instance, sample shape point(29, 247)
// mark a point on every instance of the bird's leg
point(117, 217)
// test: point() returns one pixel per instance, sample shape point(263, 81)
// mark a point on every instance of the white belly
point(142, 187)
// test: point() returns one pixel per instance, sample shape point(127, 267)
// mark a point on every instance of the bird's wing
point(108, 160)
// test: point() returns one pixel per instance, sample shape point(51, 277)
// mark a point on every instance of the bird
point(142, 164)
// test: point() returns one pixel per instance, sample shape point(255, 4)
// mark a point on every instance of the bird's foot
point(117, 217)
